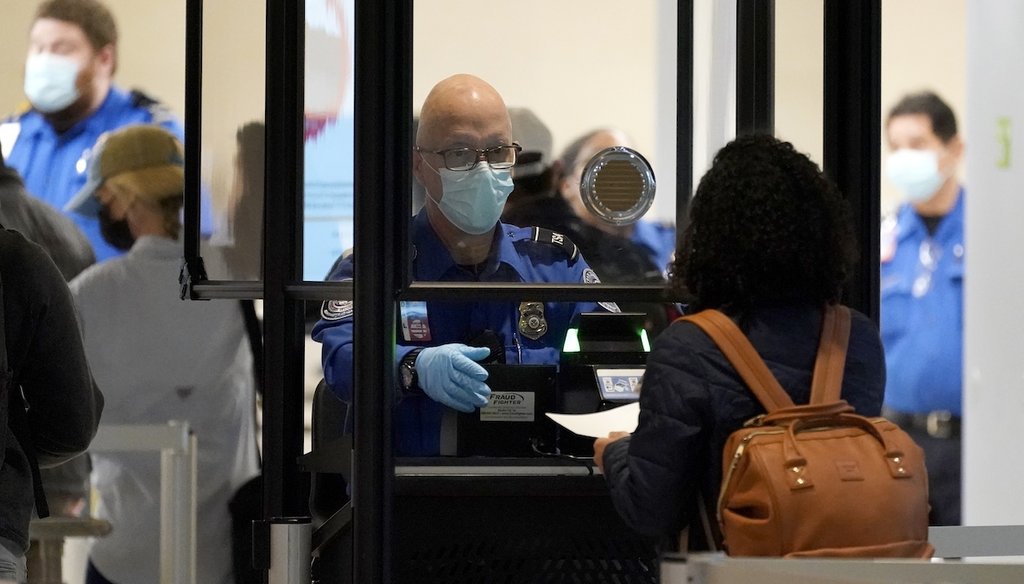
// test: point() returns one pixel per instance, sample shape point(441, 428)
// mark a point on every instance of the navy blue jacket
point(692, 399)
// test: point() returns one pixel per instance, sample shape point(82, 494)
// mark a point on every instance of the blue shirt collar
point(433, 260)
point(911, 224)
point(35, 123)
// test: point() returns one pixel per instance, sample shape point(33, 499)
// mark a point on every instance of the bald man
point(463, 158)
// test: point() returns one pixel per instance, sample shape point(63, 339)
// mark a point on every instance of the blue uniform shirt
point(516, 256)
point(657, 239)
point(922, 311)
point(53, 165)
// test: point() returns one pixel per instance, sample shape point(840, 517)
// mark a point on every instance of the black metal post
point(684, 113)
point(755, 66)
point(852, 148)
point(192, 270)
point(383, 110)
point(283, 321)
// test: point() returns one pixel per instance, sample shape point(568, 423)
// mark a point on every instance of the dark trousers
point(942, 458)
point(93, 576)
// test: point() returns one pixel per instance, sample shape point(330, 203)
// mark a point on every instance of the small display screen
point(617, 384)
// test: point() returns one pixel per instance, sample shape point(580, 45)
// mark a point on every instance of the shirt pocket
point(896, 306)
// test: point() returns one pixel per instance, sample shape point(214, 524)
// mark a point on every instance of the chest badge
point(532, 323)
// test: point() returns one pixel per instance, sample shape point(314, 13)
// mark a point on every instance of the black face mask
point(115, 232)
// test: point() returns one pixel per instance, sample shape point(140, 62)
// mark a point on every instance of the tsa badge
point(532, 323)
point(415, 324)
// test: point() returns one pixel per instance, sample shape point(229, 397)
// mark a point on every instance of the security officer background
point(463, 158)
point(72, 58)
point(922, 275)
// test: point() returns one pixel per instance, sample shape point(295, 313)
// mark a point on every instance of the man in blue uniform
point(69, 71)
point(464, 156)
point(922, 291)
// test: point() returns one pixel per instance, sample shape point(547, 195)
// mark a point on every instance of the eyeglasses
point(462, 159)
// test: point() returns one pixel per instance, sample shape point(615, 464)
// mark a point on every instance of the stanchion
point(290, 539)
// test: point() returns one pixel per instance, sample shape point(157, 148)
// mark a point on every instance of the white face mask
point(915, 172)
point(50, 82)
point(474, 199)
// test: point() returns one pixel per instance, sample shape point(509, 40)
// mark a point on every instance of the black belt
point(937, 424)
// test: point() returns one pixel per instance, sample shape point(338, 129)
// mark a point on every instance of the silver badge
point(532, 324)
point(336, 309)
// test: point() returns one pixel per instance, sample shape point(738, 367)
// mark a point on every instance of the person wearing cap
point(69, 71)
point(463, 157)
point(657, 238)
point(158, 359)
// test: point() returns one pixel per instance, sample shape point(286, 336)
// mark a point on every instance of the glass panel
point(328, 135)
point(799, 80)
point(923, 254)
point(148, 86)
point(562, 81)
point(232, 134)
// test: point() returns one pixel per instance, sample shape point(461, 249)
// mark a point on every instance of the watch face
point(408, 373)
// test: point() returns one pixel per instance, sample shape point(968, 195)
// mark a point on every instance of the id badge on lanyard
point(415, 324)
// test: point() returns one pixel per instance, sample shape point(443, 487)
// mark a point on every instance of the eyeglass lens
point(499, 157)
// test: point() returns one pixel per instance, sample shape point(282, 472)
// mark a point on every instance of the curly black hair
point(766, 227)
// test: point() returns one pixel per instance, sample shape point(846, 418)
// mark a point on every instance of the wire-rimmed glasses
point(463, 159)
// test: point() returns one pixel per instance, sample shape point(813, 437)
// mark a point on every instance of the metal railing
point(178, 455)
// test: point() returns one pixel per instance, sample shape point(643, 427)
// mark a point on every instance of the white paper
point(598, 425)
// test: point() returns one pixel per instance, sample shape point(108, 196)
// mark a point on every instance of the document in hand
point(599, 424)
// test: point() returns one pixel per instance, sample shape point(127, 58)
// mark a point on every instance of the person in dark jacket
point(67, 485)
point(770, 244)
point(51, 403)
point(43, 225)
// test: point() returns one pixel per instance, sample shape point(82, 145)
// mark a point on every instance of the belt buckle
point(939, 424)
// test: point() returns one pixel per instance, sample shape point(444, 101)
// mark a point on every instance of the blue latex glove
point(450, 374)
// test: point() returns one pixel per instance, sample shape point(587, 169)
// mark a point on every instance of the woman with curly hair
point(770, 244)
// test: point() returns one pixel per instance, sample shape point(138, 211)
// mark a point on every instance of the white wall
point(579, 64)
point(994, 306)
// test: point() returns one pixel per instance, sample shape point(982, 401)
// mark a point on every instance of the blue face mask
point(474, 199)
point(50, 82)
point(915, 172)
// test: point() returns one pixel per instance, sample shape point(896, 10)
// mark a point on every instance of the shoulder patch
point(336, 309)
point(157, 110)
point(547, 236)
point(141, 99)
point(590, 277)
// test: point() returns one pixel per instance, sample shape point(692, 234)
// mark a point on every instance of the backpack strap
point(744, 358)
point(827, 382)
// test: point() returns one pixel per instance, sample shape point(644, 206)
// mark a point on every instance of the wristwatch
point(407, 377)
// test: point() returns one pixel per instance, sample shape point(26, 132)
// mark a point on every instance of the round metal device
point(618, 185)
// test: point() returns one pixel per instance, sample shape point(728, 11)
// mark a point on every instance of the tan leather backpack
point(817, 479)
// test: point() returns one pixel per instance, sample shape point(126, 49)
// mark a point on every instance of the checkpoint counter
point(483, 519)
point(511, 520)
point(514, 498)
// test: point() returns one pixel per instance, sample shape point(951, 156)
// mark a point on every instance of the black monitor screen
point(617, 332)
